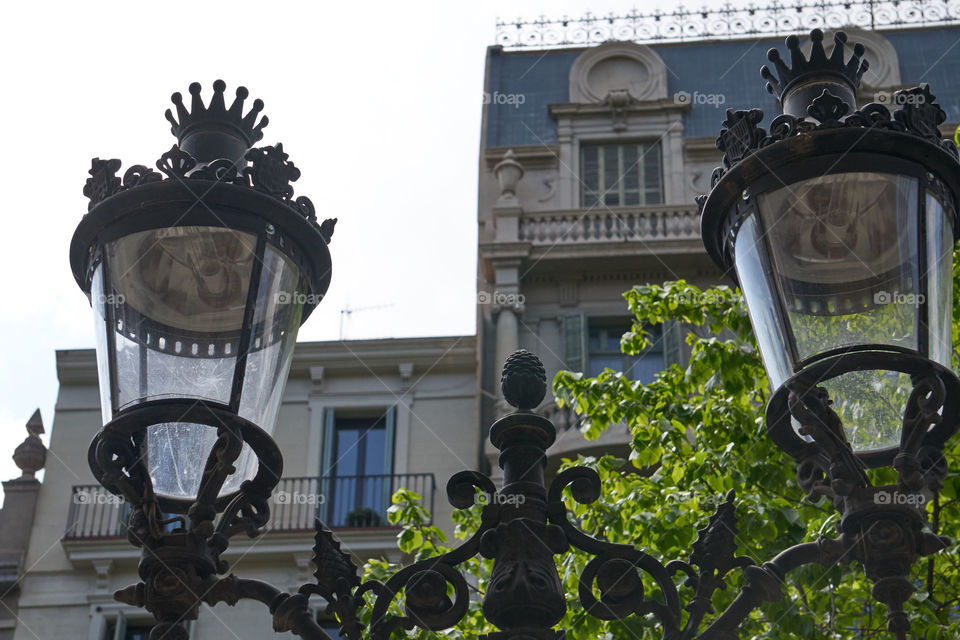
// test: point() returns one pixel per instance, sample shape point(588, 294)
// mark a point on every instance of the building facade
point(590, 160)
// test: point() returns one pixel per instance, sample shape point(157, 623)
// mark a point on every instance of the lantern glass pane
point(751, 263)
point(939, 282)
point(844, 256)
point(175, 449)
point(280, 300)
point(176, 456)
point(871, 404)
point(179, 296)
point(98, 301)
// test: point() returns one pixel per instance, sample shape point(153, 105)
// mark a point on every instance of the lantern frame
point(250, 194)
point(870, 140)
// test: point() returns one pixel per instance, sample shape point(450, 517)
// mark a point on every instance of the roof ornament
point(31, 455)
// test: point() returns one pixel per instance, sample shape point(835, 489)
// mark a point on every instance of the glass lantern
point(198, 289)
point(845, 262)
point(194, 312)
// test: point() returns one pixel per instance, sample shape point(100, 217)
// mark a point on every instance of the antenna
point(348, 311)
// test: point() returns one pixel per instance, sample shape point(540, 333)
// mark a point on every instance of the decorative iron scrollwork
point(176, 163)
point(103, 181)
point(524, 597)
point(270, 171)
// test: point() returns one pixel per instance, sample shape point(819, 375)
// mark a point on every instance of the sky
point(377, 104)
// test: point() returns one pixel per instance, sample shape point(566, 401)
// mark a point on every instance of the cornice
point(646, 107)
point(538, 156)
point(438, 354)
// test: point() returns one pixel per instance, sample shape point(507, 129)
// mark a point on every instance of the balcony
point(648, 224)
point(344, 502)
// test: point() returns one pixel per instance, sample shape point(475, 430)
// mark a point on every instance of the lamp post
point(830, 222)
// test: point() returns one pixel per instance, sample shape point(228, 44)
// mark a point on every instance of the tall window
point(123, 631)
point(121, 628)
point(603, 345)
point(591, 345)
point(358, 468)
point(616, 175)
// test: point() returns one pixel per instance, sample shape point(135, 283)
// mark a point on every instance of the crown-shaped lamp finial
point(805, 79)
point(209, 132)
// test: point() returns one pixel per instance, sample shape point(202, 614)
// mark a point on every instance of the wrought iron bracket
point(525, 524)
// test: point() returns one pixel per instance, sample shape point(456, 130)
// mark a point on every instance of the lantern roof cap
point(215, 116)
point(803, 69)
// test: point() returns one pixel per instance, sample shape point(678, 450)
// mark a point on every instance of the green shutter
point(389, 436)
point(388, 440)
point(329, 433)
point(120, 630)
point(326, 467)
point(574, 329)
point(672, 343)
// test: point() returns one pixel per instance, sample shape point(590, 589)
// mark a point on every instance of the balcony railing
point(642, 224)
point(339, 501)
point(343, 501)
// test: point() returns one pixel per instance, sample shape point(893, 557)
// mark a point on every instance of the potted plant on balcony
point(363, 517)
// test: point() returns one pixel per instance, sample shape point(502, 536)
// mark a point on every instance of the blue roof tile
point(727, 71)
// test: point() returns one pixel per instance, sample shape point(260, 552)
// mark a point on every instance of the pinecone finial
point(524, 380)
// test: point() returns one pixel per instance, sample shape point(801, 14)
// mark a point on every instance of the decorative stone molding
point(302, 560)
point(569, 294)
point(406, 373)
point(103, 569)
point(316, 375)
point(619, 101)
point(618, 67)
point(31, 455)
point(508, 173)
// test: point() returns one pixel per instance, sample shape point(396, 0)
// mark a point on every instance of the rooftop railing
point(724, 23)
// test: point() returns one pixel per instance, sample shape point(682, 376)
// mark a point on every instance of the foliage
point(697, 432)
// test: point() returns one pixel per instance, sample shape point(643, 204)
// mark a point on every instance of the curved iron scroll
point(425, 583)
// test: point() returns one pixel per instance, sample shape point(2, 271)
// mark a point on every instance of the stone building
point(590, 160)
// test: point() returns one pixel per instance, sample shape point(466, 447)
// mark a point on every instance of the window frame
point(593, 198)
point(328, 470)
point(615, 327)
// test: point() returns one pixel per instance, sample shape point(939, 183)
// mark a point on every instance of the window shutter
point(672, 343)
point(326, 467)
point(120, 628)
point(388, 440)
point(329, 433)
point(123, 517)
point(574, 328)
point(391, 419)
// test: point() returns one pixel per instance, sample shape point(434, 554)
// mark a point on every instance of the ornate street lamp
point(198, 283)
point(838, 224)
point(199, 277)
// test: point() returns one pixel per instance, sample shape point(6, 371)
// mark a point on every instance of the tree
point(698, 432)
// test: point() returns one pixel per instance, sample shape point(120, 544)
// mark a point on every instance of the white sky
point(378, 104)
